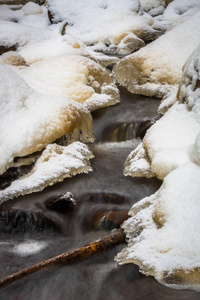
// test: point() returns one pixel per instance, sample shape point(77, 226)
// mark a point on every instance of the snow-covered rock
point(77, 77)
point(29, 121)
point(106, 25)
point(55, 164)
point(156, 69)
point(163, 230)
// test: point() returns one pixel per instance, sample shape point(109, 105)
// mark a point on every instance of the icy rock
point(137, 164)
point(110, 26)
point(156, 69)
point(55, 164)
point(76, 77)
point(29, 121)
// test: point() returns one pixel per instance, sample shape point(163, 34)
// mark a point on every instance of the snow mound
point(79, 78)
point(110, 26)
point(29, 121)
point(55, 164)
point(156, 69)
point(163, 231)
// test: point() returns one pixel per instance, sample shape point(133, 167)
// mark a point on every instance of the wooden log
point(114, 238)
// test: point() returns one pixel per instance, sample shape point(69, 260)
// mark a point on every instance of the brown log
point(114, 238)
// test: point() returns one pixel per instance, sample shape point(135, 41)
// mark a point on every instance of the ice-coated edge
point(54, 165)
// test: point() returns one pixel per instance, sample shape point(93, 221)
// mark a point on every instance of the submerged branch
point(114, 238)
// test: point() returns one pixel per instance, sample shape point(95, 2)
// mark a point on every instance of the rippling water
point(31, 232)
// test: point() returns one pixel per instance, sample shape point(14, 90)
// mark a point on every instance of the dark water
point(27, 221)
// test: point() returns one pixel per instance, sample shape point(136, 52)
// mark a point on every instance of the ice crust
point(114, 26)
point(55, 164)
point(163, 230)
point(156, 69)
point(29, 121)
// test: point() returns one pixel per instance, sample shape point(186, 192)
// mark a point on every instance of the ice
point(79, 78)
point(106, 25)
point(163, 230)
point(29, 121)
point(56, 163)
point(156, 69)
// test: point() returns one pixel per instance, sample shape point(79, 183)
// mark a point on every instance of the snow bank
point(156, 69)
point(107, 25)
point(29, 121)
point(55, 164)
point(163, 230)
point(79, 78)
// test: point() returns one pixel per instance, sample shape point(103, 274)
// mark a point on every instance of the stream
point(32, 230)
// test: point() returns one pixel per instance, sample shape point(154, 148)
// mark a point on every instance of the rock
point(63, 203)
point(4, 49)
point(113, 219)
point(18, 221)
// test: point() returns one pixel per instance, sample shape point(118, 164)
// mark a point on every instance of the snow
point(163, 230)
point(154, 8)
point(79, 78)
point(156, 69)
point(29, 121)
point(106, 25)
point(180, 9)
point(56, 163)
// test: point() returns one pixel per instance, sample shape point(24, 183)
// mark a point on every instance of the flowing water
point(32, 230)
